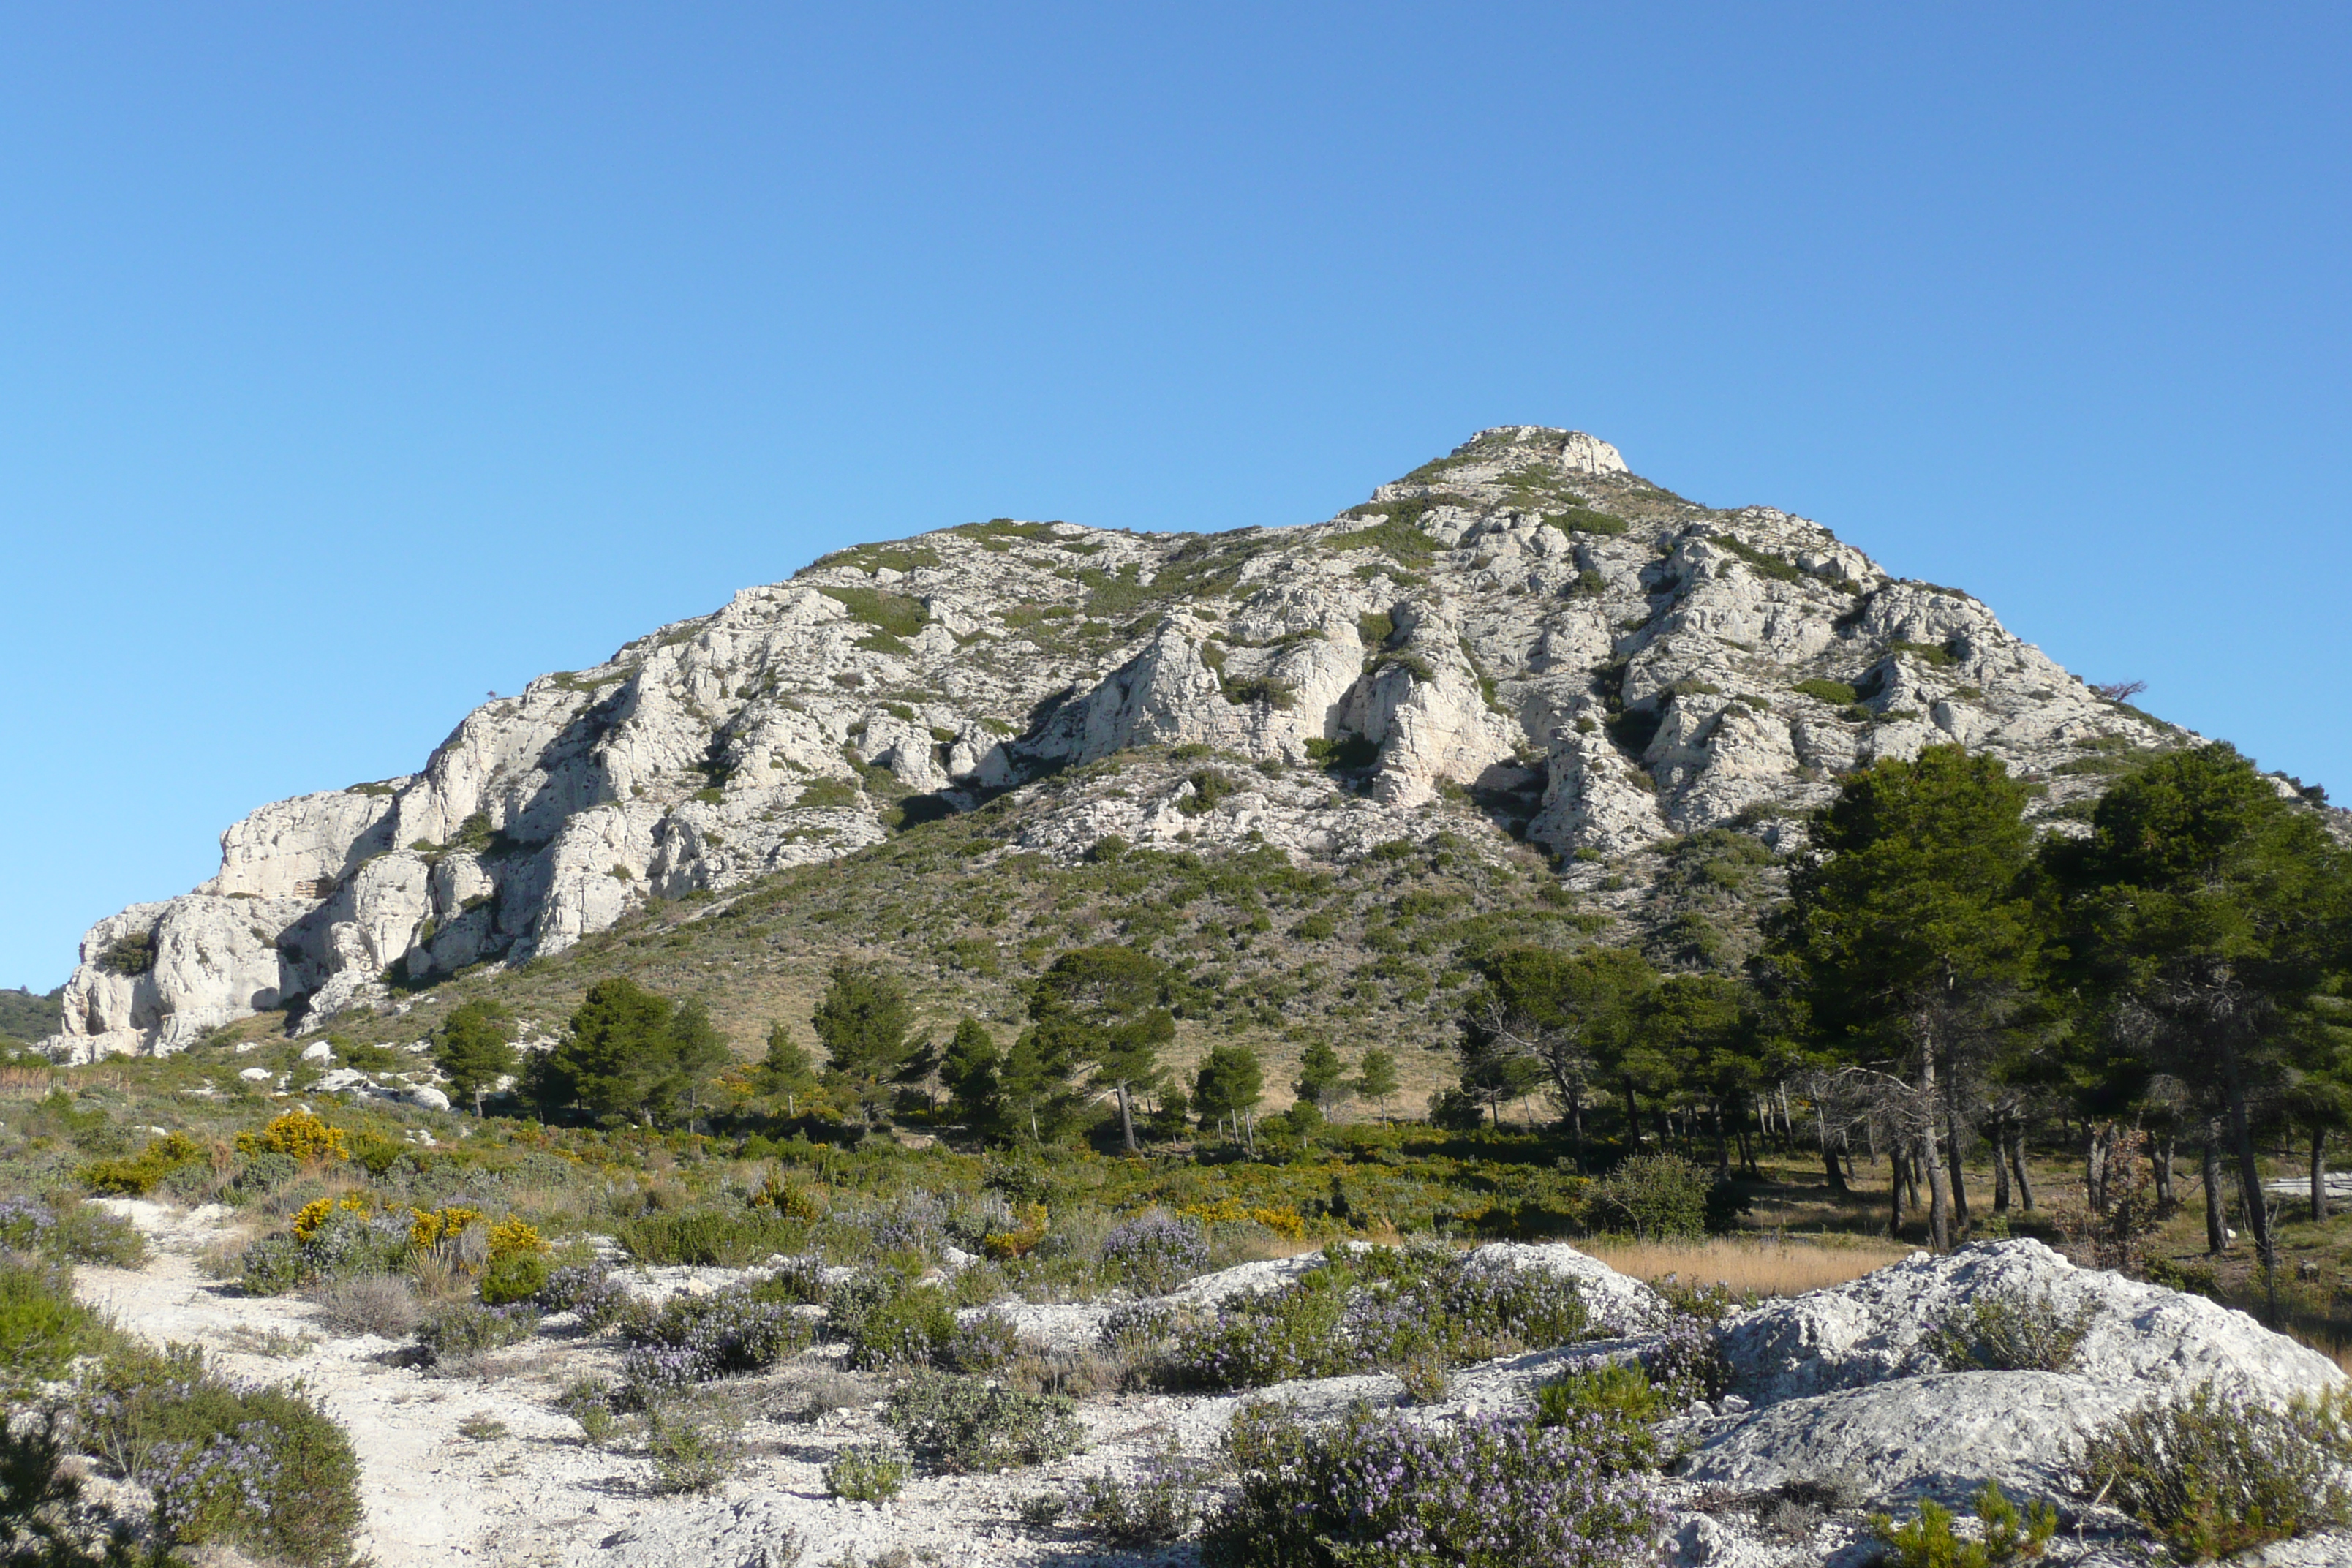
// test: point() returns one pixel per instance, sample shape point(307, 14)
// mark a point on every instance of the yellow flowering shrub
point(1023, 1239)
point(300, 1136)
point(440, 1225)
point(312, 1215)
point(514, 1236)
point(1285, 1221)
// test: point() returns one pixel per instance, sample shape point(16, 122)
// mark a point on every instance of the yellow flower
point(440, 1225)
point(513, 1235)
point(300, 1136)
point(312, 1215)
point(1020, 1241)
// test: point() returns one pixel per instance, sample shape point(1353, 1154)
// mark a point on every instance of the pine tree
point(1321, 1077)
point(970, 1069)
point(1376, 1078)
point(1229, 1085)
point(2201, 910)
point(1912, 929)
point(785, 1072)
point(474, 1048)
point(864, 1020)
point(1103, 1006)
point(618, 1053)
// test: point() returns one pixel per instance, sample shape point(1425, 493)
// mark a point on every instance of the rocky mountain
point(1519, 640)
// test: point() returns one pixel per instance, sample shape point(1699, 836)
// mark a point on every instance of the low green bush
point(1836, 693)
point(870, 1472)
point(2212, 1476)
point(1162, 1501)
point(517, 1277)
point(1373, 1308)
point(135, 1175)
point(42, 1327)
point(458, 1333)
point(1651, 1196)
point(710, 1239)
point(261, 1176)
point(691, 1451)
point(64, 1229)
point(964, 1425)
point(1376, 1490)
point(1611, 1388)
point(1927, 1540)
point(2010, 1330)
point(264, 1470)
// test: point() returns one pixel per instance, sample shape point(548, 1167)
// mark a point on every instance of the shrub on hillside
point(66, 1230)
point(1155, 1252)
point(870, 1472)
point(964, 1425)
point(517, 1277)
point(1653, 1195)
point(135, 1175)
point(697, 1339)
point(378, 1304)
point(1928, 1540)
point(1374, 1489)
point(2010, 1330)
point(710, 1239)
point(264, 1470)
point(1373, 1308)
point(587, 1289)
point(1161, 1501)
point(890, 1321)
point(42, 1327)
point(459, 1333)
point(2213, 1476)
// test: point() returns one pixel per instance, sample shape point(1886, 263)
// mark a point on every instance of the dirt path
point(540, 1495)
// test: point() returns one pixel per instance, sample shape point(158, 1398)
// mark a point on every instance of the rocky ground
point(1836, 1408)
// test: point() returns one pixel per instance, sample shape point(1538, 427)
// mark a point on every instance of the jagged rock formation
point(1523, 630)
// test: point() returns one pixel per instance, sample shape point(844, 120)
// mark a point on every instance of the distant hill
point(24, 1016)
point(1518, 654)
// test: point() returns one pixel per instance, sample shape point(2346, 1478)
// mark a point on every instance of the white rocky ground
point(1832, 1391)
point(1476, 624)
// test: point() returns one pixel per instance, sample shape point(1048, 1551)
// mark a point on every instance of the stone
point(424, 1096)
point(1521, 633)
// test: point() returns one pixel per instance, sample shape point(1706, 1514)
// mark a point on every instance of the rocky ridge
point(1523, 632)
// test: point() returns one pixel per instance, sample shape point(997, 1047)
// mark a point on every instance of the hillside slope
point(1520, 643)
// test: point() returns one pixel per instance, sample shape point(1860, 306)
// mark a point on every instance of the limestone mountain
point(1519, 641)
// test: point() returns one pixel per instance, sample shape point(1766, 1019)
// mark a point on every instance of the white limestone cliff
point(1523, 625)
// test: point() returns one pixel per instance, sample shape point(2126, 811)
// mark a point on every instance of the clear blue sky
point(358, 359)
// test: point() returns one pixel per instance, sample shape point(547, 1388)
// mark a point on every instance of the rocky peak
point(1521, 638)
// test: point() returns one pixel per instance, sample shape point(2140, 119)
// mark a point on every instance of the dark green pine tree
point(1912, 929)
point(864, 1020)
point(474, 1048)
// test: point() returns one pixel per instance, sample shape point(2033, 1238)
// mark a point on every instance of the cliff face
point(1522, 631)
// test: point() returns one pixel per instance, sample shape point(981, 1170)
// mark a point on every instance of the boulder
point(2143, 1337)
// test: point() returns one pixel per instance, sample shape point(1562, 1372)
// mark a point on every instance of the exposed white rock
point(1596, 661)
point(2143, 1337)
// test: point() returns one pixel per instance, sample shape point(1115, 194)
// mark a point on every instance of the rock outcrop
point(1842, 1382)
point(1523, 630)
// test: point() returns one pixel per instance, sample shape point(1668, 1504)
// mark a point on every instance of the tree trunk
point(2159, 1154)
point(2318, 1174)
point(1576, 1121)
point(2017, 1164)
point(1940, 1201)
point(1126, 1121)
point(2000, 1167)
point(1829, 1154)
point(1894, 1195)
point(1633, 1117)
point(2217, 1231)
point(1952, 1144)
point(1722, 1145)
point(2250, 1171)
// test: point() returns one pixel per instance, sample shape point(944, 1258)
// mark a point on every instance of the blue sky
point(358, 359)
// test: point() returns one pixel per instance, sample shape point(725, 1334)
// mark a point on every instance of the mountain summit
point(1520, 641)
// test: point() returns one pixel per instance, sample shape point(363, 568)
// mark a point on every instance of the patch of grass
point(1836, 693)
point(1765, 564)
point(1745, 1265)
point(895, 614)
point(42, 1327)
point(709, 1238)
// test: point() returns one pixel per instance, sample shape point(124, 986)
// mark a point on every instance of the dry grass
point(1766, 1266)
